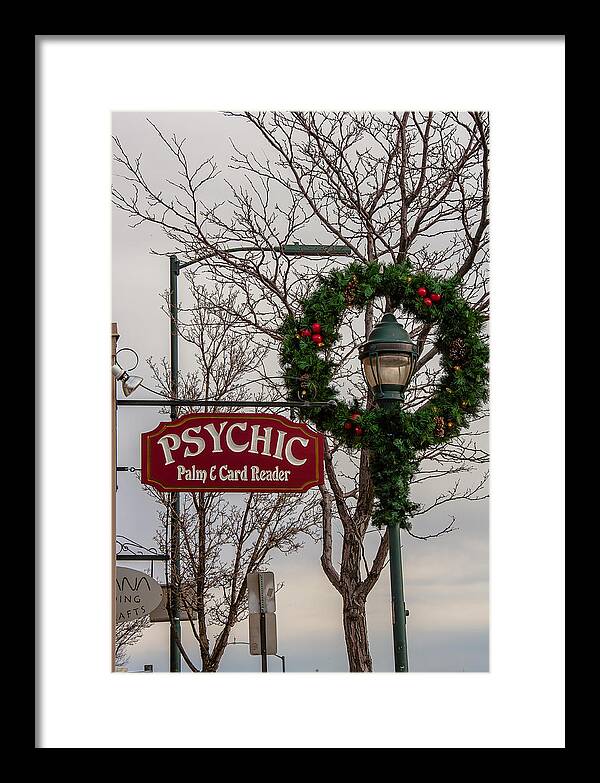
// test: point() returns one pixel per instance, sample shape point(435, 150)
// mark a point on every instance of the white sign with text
point(137, 594)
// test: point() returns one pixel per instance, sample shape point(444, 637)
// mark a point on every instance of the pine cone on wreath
point(350, 292)
point(440, 427)
point(457, 351)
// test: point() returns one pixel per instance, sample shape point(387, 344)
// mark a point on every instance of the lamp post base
point(398, 605)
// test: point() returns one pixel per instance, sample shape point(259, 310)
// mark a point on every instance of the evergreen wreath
point(395, 437)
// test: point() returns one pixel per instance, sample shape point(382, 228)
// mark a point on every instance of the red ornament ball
point(316, 338)
point(358, 431)
point(305, 333)
point(347, 425)
point(435, 297)
point(427, 301)
point(316, 328)
point(355, 416)
point(422, 291)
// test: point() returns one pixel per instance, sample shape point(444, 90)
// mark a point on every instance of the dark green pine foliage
point(394, 437)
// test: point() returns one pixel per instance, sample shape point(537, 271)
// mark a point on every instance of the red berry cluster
point(314, 332)
point(351, 424)
point(428, 297)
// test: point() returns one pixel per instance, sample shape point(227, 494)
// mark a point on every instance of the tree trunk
point(355, 633)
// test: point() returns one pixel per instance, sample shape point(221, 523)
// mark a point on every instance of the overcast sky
point(446, 579)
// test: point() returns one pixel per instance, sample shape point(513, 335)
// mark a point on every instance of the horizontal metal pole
point(230, 403)
point(315, 250)
point(142, 557)
point(286, 250)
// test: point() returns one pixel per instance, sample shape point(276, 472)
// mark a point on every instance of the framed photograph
point(302, 306)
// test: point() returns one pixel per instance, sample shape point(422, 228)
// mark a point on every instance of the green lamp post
point(388, 360)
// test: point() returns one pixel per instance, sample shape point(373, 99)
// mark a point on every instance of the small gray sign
point(271, 633)
point(261, 591)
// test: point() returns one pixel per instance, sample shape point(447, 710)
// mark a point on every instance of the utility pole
point(175, 626)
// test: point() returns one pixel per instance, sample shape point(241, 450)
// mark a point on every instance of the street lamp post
point(388, 360)
point(175, 266)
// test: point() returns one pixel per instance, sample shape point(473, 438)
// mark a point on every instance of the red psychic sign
point(237, 452)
